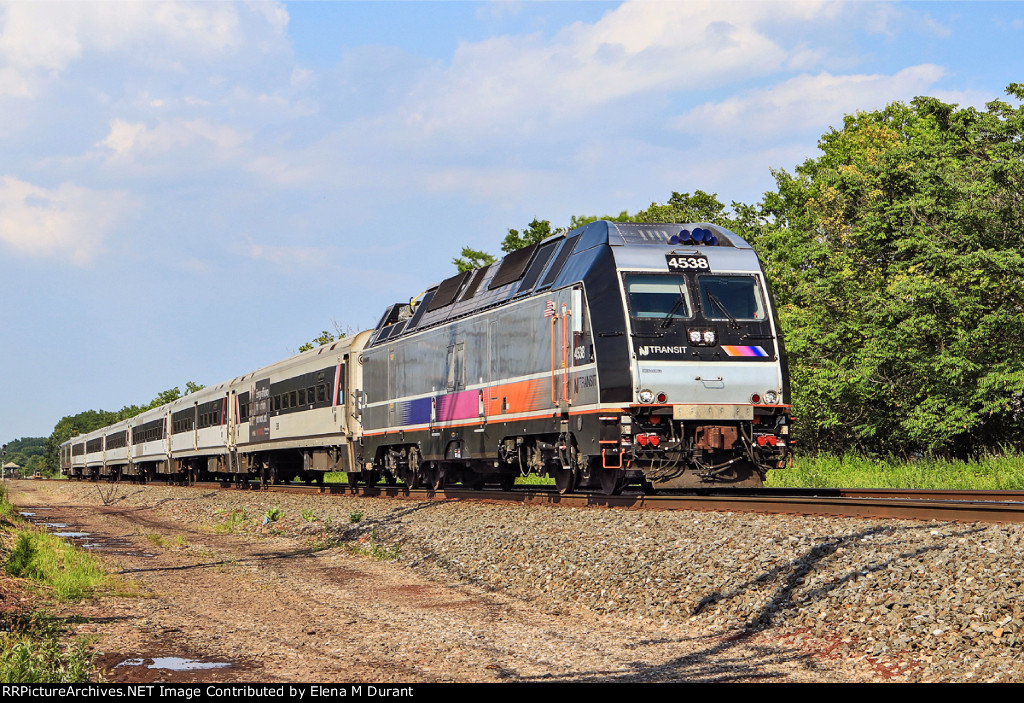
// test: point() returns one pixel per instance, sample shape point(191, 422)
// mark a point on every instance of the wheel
point(565, 480)
point(612, 481)
point(371, 477)
point(507, 481)
point(434, 477)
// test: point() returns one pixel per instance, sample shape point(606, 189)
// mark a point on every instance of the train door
point(232, 430)
point(340, 407)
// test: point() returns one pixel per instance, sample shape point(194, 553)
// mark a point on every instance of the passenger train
point(609, 356)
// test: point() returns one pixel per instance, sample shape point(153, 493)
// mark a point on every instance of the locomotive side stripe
point(495, 420)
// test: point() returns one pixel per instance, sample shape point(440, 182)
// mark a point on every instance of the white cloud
point(805, 101)
point(68, 222)
point(288, 257)
point(129, 140)
point(638, 49)
point(43, 37)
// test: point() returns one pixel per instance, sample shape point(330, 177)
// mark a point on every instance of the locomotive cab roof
point(559, 261)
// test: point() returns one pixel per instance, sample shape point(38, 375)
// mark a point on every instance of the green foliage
point(536, 231)
point(28, 453)
point(989, 472)
point(272, 515)
point(231, 521)
point(371, 546)
point(19, 561)
point(355, 516)
point(324, 338)
point(897, 262)
point(89, 420)
point(33, 651)
point(7, 511)
point(472, 259)
point(50, 561)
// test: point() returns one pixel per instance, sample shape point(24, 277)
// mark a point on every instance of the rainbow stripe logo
point(744, 351)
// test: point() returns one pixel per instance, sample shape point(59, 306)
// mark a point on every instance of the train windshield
point(731, 297)
point(654, 295)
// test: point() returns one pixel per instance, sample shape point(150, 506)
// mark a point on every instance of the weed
point(8, 511)
point(369, 545)
point(19, 563)
point(235, 519)
point(308, 516)
point(51, 561)
point(856, 471)
point(272, 515)
point(355, 516)
point(32, 652)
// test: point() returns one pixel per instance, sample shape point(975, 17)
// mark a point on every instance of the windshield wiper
point(671, 313)
point(721, 306)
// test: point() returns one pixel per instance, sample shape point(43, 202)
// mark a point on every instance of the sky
point(189, 191)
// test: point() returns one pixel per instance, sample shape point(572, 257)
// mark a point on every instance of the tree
point(472, 259)
point(324, 338)
point(89, 420)
point(897, 262)
point(340, 332)
point(536, 231)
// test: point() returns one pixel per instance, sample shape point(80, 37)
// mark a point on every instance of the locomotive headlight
point(646, 396)
point(771, 397)
point(709, 337)
point(695, 336)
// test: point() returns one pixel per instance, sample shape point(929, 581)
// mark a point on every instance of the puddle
point(175, 664)
point(25, 513)
point(55, 524)
point(71, 534)
point(179, 664)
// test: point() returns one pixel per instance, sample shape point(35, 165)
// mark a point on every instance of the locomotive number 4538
point(684, 263)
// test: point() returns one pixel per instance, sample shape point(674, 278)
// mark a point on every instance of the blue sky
point(190, 191)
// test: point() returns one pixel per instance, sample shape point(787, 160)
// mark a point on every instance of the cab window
point(723, 297)
point(654, 295)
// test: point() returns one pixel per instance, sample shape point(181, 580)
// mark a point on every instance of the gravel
point(904, 600)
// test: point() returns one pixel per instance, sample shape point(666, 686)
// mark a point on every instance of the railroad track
point(915, 504)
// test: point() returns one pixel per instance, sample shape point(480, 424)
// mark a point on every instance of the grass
point(32, 648)
point(33, 652)
point(369, 545)
point(50, 561)
point(855, 471)
point(163, 542)
point(232, 521)
point(1004, 472)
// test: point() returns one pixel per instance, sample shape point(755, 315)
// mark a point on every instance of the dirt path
point(270, 609)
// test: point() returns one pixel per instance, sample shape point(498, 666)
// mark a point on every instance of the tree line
point(89, 420)
point(896, 260)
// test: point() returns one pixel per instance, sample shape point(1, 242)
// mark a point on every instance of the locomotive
point(612, 355)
